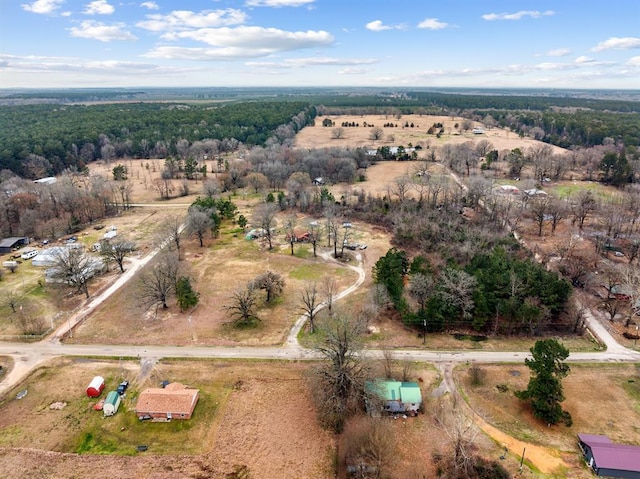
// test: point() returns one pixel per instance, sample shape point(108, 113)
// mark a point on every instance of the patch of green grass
point(631, 386)
point(123, 432)
point(9, 434)
point(307, 272)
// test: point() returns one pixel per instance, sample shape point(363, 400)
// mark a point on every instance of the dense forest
point(45, 132)
point(41, 140)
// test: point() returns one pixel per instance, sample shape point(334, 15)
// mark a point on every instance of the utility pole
point(424, 331)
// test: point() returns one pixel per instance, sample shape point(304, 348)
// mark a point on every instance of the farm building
point(95, 387)
point(7, 245)
point(111, 403)
point(609, 459)
point(393, 397)
point(175, 401)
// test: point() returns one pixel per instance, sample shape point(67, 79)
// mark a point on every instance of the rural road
point(27, 356)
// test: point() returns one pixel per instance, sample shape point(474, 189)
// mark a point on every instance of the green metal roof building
point(395, 396)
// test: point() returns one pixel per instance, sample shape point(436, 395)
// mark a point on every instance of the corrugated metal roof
point(406, 392)
point(9, 242)
point(609, 455)
point(410, 393)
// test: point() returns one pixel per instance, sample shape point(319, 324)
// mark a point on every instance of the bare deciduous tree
point(211, 187)
point(315, 234)
point(264, 217)
point(257, 181)
point(116, 251)
point(583, 205)
point(370, 447)
point(310, 303)
point(337, 133)
point(421, 287)
point(539, 208)
point(376, 133)
point(198, 223)
point(157, 284)
point(271, 282)
point(456, 289)
point(242, 307)
point(339, 381)
point(170, 231)
point(74, 267)
point(329, 289)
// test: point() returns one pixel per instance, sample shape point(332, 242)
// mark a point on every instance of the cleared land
point(256, 416)
point(251, 416)
point(602, 399)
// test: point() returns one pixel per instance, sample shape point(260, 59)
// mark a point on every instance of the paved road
point(27, 356)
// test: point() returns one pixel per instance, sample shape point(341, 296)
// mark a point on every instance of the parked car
point(122, 387)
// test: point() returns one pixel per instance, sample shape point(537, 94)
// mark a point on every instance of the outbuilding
point(7, 245)
point(111, 403)
point(95, 387)
point(608, 459)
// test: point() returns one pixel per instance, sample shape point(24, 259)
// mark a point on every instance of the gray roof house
point(609, 459)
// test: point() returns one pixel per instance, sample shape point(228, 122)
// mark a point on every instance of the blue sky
point(394, 43)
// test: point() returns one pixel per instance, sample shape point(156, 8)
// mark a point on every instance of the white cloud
point(432, 24)
point(99, 31)
point(42, 6)
point(378, 26)
point(150, 5)
point(559, 52)
point(278, 3)
point(185, 19)
point(517, 15)
point(352, 71)
point(583, 59)
point(39, 64)
point(313, 61)
point(617, 43)
point(99, 7)
point(241, 42)
point(634, 61)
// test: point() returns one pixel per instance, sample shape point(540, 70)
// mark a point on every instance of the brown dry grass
point(602, 399)
point(254, 414)
point(318, 136)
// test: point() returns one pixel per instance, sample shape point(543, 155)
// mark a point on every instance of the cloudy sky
point(451, 43)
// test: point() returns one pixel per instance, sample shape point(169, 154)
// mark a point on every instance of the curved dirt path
point(292, 337)
point(545, 459)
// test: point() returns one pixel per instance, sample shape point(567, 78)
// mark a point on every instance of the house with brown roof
point(175, 401)
point(608, 459)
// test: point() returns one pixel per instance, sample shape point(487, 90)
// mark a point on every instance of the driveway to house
point(27, 356)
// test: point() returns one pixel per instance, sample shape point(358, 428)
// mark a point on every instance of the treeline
point(581, 128)
point(41, 140)
point(434, 102)
point(562, 121)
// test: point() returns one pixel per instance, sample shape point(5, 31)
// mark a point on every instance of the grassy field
point(602, 399)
